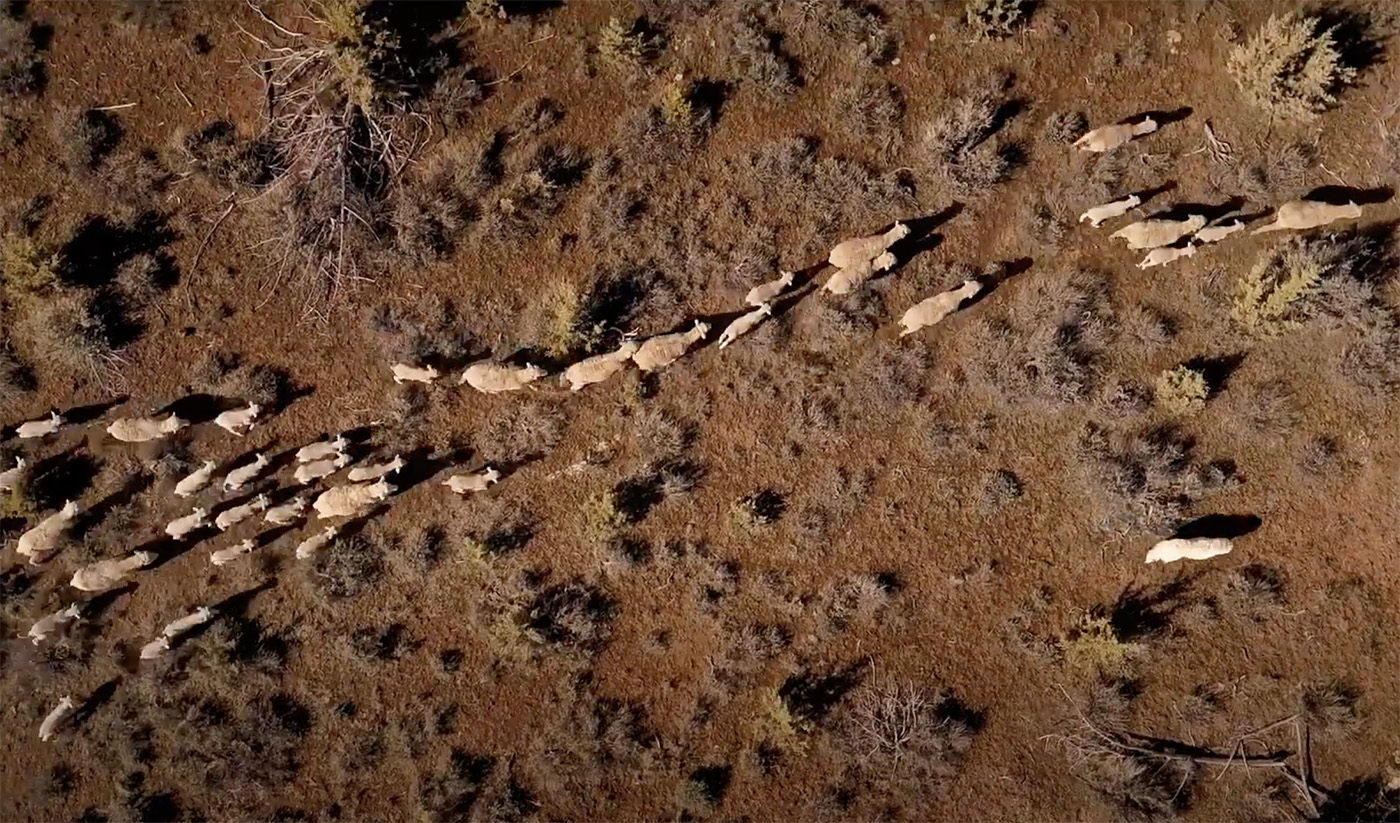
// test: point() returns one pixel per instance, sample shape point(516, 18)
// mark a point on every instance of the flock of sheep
point(856, 262)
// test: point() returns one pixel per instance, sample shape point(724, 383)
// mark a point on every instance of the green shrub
point(24, 268)
point(995, 19)
point(1291, 67)
point(1094, 643)
point(1266, 299)
point(1181, 390)
point(626, 45)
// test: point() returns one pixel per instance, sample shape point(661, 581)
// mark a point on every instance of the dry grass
point(1291, 68)
point(1332, 708)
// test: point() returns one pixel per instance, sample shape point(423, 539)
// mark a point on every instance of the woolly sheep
point(315, 470)
point(600, 367)
point(196, 480)
point(44, 427)
point(9, 478)
point(475, 482)
point(360, 474)
point(143, 429)
point(238, 421)
point(1166, 254)
point(1108, 211)
point(495, 378)
point(223, 557)
point(42, 540)
point(108, 574)
point(313, 544)
point(155, 648)
point(349, 500)
point(412, 374)
point(230, 517)
point(665, 349)
point(49, 624)
point(1309, 214)
point(865, 249)
point(743, 324)
point(766, 292)
point(1194, 548)
point(322, 450)
point(286, 513)
point(180, 527)
point(243, 475)
point(1156, 232)
point(1214, 234)
point(60, 713)
point(847, 280)
point(179, 626)
point(1108, 138)
point(932, 310)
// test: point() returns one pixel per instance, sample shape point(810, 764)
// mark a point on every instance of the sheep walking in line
point(495, 378)
point(350, 500)
point(599, 367)
point(55, 718)
point(770, 291)
point(42, 540)
point(1214, 234)
point(852, 277)
point(48, 624)
point(1108, 138)
point(665, 349)
point(108, 574)
point(243, 475)
point(312, 545)
point(474, 482)
point(35, 429)
point(223, 557)
point(196, 480)
point(9, 478)
point(322, 450)
point(1155, 232)
point(288, 512)
point(1163, 255)
point(864, 249)
point(404, 373)
point(230, 517)
point(181, 625)
point(360, 474)
point(238, 421)
point(1098, 214)
point(144, 429)
point(181, 527)
point(1300, 215)
point(931, 311)
point(1194, 548)
point(318, 469)
point(743, 324)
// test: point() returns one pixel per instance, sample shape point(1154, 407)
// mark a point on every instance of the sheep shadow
point(236, 604)
point(1216, 370)
point(269, 536)
point(95, 701)
point(1147, 194)
point(419, 467)
point(921, 235)
point(995, 276)
point(96, 606)
point(1181, 211)
point(91, 517)
point(1161, 116)
point(1219, 525)
point(1141, 612)
point(199, 408)
point(167, 549)
point(1341, 195)
point(82, 415)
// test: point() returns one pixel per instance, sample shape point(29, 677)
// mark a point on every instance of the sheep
point(1108, 138)
point(238, 421)
point(143, 429)
point(665, 349)
point(307, 472)
point(1166, 254)
point(1309, 214)
point(196, 480)
point(313, 544)
point(1214, 234)
point(287, 512)
point(600, 367)
point(243, 475)
point(1192, 548)
point(48, 624)
point(181, 527)
point(766, 292)
point(42, 540)
point(359, 474)
point(847, 280)
point(223, 557)
point(864, 249)
point(1108, 211)
point(743, 324)
point(495, 378)
point(230, 517)
point(322, 450)
point(60, 713)
point(475, 482)
point(35, 429)
point(1155, 232)
point(932, 310)
point(179, 626)
point(10, 478)
point(108, 574)
point(412, 374)
point(347, 501)
point(155, 648)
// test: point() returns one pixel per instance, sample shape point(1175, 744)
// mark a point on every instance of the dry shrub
point(348, 566)
point(1279, 176)
point(957, 142)
point(21, 69)
point(217, 151)
point(1265, 299)
point(1292, 67)
point(1331, 708)
point(898, 724)
point(89, 136)
point(67, 331)
point(516, 432)
point(1181, 391)
point(860, 28)
point(1255, 591)
point(572, 615)
point(760, 60)
point(25, 268)
point(1065, 126)
point(995, 19)
point(1333, 276)
point(872, 112)
point(525, 203)
point(1149, 478)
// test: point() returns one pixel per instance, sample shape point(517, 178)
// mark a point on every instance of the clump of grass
point(995, 19)
point(860, 27)
point(1181, 391)
point(1255, 591)
point(1265, 301)
point(1149, 476)
point(870, 111)
point(1002, 488)
point(1292, 67)
point(1331, 708)
point(572, 615)
point(526, 202)
point(1093, 644)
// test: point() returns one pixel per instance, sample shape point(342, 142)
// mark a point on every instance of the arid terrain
point(827, 572)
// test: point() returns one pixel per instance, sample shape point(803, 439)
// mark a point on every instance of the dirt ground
point(824, 573)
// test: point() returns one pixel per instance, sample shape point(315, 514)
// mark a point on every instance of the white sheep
point(413, 374)
point(42, 540)
point(56, 717)
point(9, 478)
point(1192, 548)
point(359, 474)
point(767, 292)
point(599, 367)
point(474, 482)
point(864, 249)
point(196, 480)
point(1163, 255)
point(243, 475)
point(932, 310)
point(317, 469)
point(495, 378)
point(665, 349)
point(49, 624)
point(322, 450)
point(155, 648)
point(222, 557)
point(1155, 232)
point(108, 574)
point(847, 280)
point(1108, 138)
point(1309, 214)
point(309, 547)
point(743, 324)
point(286, 513)
point(179, 626)
point(1108, 211)
point(232, 516)
point(181, 527)
point(1214, 234)
point(144, 429)
point(44, 427)
point(238, 421)
point(349, 500)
